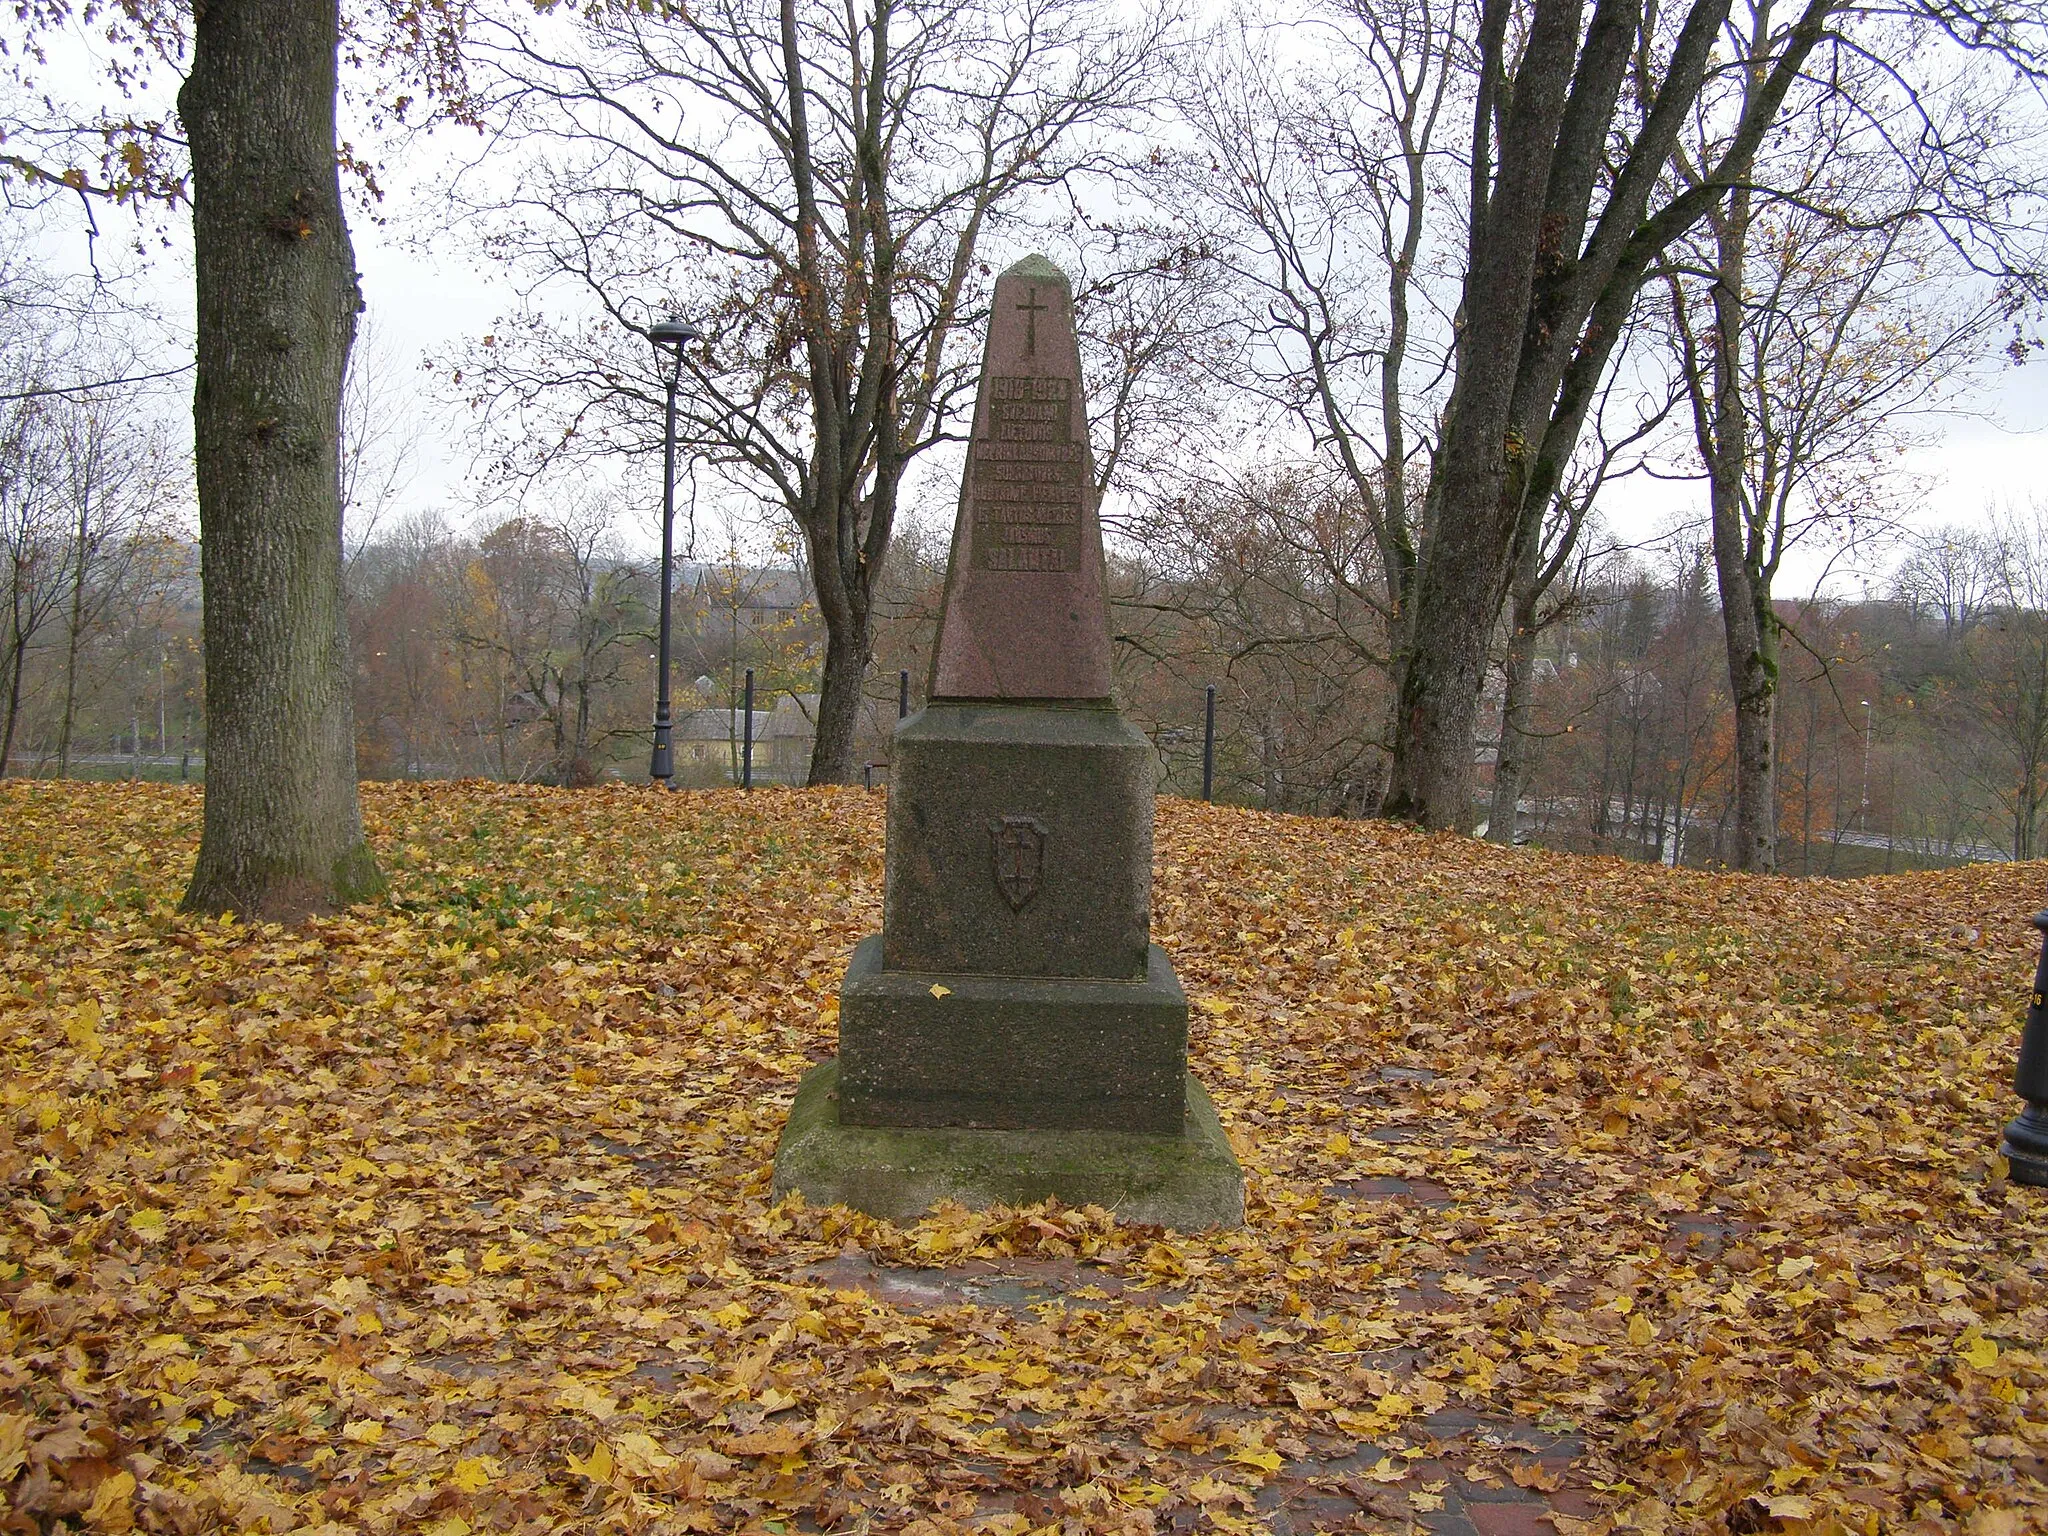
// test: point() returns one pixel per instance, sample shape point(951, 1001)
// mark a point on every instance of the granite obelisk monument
point(1012, 1033)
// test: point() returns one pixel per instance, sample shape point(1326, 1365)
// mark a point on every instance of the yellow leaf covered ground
point(1579, 1191)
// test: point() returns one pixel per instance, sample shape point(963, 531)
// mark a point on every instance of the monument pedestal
point(1061, 796)
point(1189, 1182)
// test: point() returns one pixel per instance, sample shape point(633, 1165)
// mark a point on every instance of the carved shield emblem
point(1020, 857)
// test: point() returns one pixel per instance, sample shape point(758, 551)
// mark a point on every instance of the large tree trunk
point(1482, 470)
point(71, 639)
point(839, 698)
point(277, 301)
point(845, 543)
point(1438, 702)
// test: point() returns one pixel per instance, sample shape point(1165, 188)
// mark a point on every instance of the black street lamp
point(673, 333)
point(2025, 1143)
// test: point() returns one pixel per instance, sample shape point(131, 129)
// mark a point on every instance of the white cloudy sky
point(428, 295)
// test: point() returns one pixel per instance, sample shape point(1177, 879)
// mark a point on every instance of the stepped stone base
point(1012, 1052)
point(1189, 1181)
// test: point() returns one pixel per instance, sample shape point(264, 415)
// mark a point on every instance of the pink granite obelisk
point(1025, 614)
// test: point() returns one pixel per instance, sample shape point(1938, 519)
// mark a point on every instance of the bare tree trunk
point(17, 660)
point(1806, 795)
point(277, 301)
point(846, 664)
point(76, 626)
point(1745, 550)
point(1511, 758)
point(1598, 822)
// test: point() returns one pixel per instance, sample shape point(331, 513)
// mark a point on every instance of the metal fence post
point(747, 740)
point(902, 693)
point(1209, 743)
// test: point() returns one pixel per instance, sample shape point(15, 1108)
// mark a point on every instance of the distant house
point(791, 734)
point(710, 743)
point(709, 746)
point(752, 600)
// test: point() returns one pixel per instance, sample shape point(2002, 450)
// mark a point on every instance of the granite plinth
point(1012, 1052)
point(1074, 897)
point(1189, 1181)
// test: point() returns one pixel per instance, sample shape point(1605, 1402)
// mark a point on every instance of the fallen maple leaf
point(783, 1440)
point(473, 1474)
point(597, 1466)
point(1212, 1491)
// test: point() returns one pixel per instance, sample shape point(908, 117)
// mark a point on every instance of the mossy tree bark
point(1551, 277)
point(277, 301)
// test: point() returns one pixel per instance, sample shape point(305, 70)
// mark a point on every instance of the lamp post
point(672, 334)
point(2025, 1142)
point(1863, 807)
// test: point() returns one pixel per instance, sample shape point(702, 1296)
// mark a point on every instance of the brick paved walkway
point(1452, 1473)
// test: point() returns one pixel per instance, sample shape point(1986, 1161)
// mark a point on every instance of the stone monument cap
point(1025, 615)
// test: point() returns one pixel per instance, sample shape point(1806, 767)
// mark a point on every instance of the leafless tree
point(32, 544)
point(380, 435)
point(1570, 209)
point(813, 184)
point(2011, 665)
point(1950, 570)
point(1315, 167)
point(554, 607)
point(1821, 311)
point(122, 486)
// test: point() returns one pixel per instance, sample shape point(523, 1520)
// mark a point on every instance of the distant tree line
point(1913, 724)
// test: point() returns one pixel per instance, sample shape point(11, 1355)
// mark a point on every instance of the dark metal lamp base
point(2025, 1146)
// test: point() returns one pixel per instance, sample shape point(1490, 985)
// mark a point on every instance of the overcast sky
point(428, 295)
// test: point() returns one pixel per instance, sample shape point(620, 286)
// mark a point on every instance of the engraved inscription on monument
point(1028, 477)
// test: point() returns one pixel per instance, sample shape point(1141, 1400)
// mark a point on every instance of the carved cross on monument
point(1032, 310)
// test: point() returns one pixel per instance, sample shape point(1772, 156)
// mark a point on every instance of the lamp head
point(675, 332)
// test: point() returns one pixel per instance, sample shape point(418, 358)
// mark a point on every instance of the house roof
point(755, 588)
